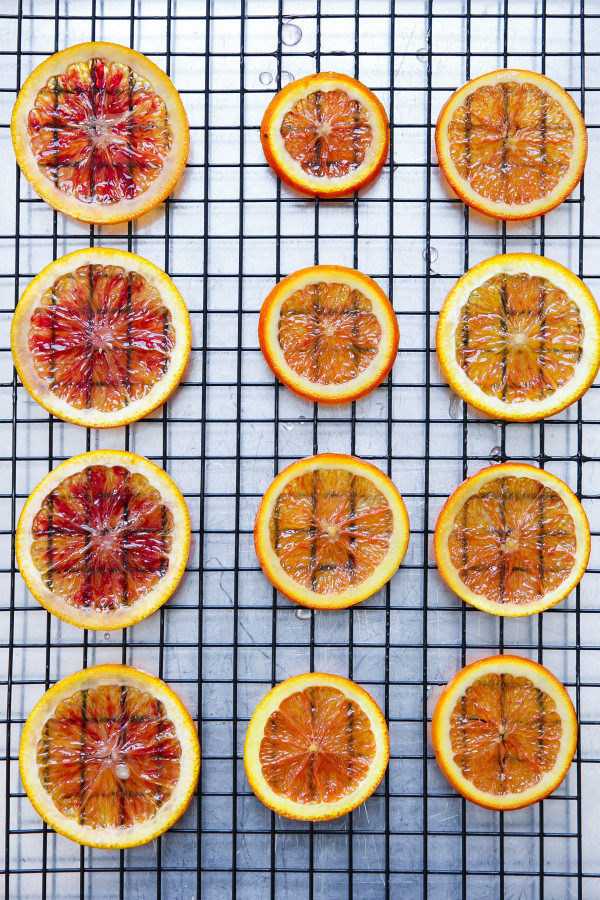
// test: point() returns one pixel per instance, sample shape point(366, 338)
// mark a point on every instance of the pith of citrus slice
point(101, 337)
point(110, 757)
point(317, 746)
point(103, 539)
point(100, 132)
point(518, 337)
point(329, 333)
point(512, 540)
point(504, 732)
point(330, 531)
point(511, 143)
point(326, 135)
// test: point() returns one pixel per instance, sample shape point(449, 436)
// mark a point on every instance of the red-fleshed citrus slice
point(512, 540)
point(101, 337)
point(512, 144)
point(326, 135)
point(110, 757)
point(329, 333)
point(504, 732)
point(100, 132)
point(103, 539)
point(317, 746)
point(330, 531)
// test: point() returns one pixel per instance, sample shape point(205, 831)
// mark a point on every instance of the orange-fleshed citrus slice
point(110, 757)
point(100, 132)
point(330, 531)
point(326, 135)
point(329, 333)
point(512, 540)
point(511, 143)
point(317, 746)
point(504, 732)
point(518, 337)
point(101, 337)
point(103, 539)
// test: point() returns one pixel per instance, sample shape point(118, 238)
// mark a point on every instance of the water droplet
point(433, 255)
point(290, 34)
point(496, 454)
point(265, 78)
point(423, 54)
point(455, 407)
point(107, 636)
point(303, 613)
point(122, 771)
point(286, 78)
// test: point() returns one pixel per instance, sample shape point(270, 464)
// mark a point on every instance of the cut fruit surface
point(504, 732)
point(329, 333)
point(110, 757)
point(103, 540)
point(100, 132)
point(512, 144)
point(326, 135)
point(512, 540)
point(330, 531)
point(101, 337)
point(518, 337)
point(317, 746)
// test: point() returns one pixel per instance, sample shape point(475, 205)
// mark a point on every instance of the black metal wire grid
point(225, 236)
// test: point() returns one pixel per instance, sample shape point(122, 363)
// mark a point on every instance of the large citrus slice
point(330, 531)
point(518, 337)
point(511, 143)
point(110, 757)
point(100, 132)
point(504, 732)
point(103, 539)
point(317, 746)
point(326, 135)
point(512, 540)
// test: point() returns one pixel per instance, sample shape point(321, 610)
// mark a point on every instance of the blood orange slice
point(317, 746)
point(504, 732)
point(110, 757)
point(103, 540)
point(512, 144)
point(326, 135)
point(100, 132)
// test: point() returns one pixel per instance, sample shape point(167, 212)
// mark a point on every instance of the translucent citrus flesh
point(330, 529)
point(317, 746)
point(505, 733)
point(102, 538)
point(101, 337)
point(328, 133)
point(99, 131)
point(519, 337)
point(109, 756)
point(512, 142)
point(328, 333)
point(514, 541)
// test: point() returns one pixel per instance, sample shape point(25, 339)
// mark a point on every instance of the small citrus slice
point(103, 539)
point(512, 144)
point(326, 135)
point(504, 732)
point(329, 333)
point(110, 757)
point(101, 337)
point(100, 132)
point(512, 540)
point(317, 746)
point(330, 531)
point(518, 337)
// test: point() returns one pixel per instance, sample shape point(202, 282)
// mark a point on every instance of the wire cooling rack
point(227, 234)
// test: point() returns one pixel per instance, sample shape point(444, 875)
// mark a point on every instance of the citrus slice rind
point(104, 551)
point(163, 173)
point(524, 333)
point(524, 137)
point(513, 742)
point(517, 543)
point(72, 343)
point(318, 332)
point(104, 745)
point(325, 740)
